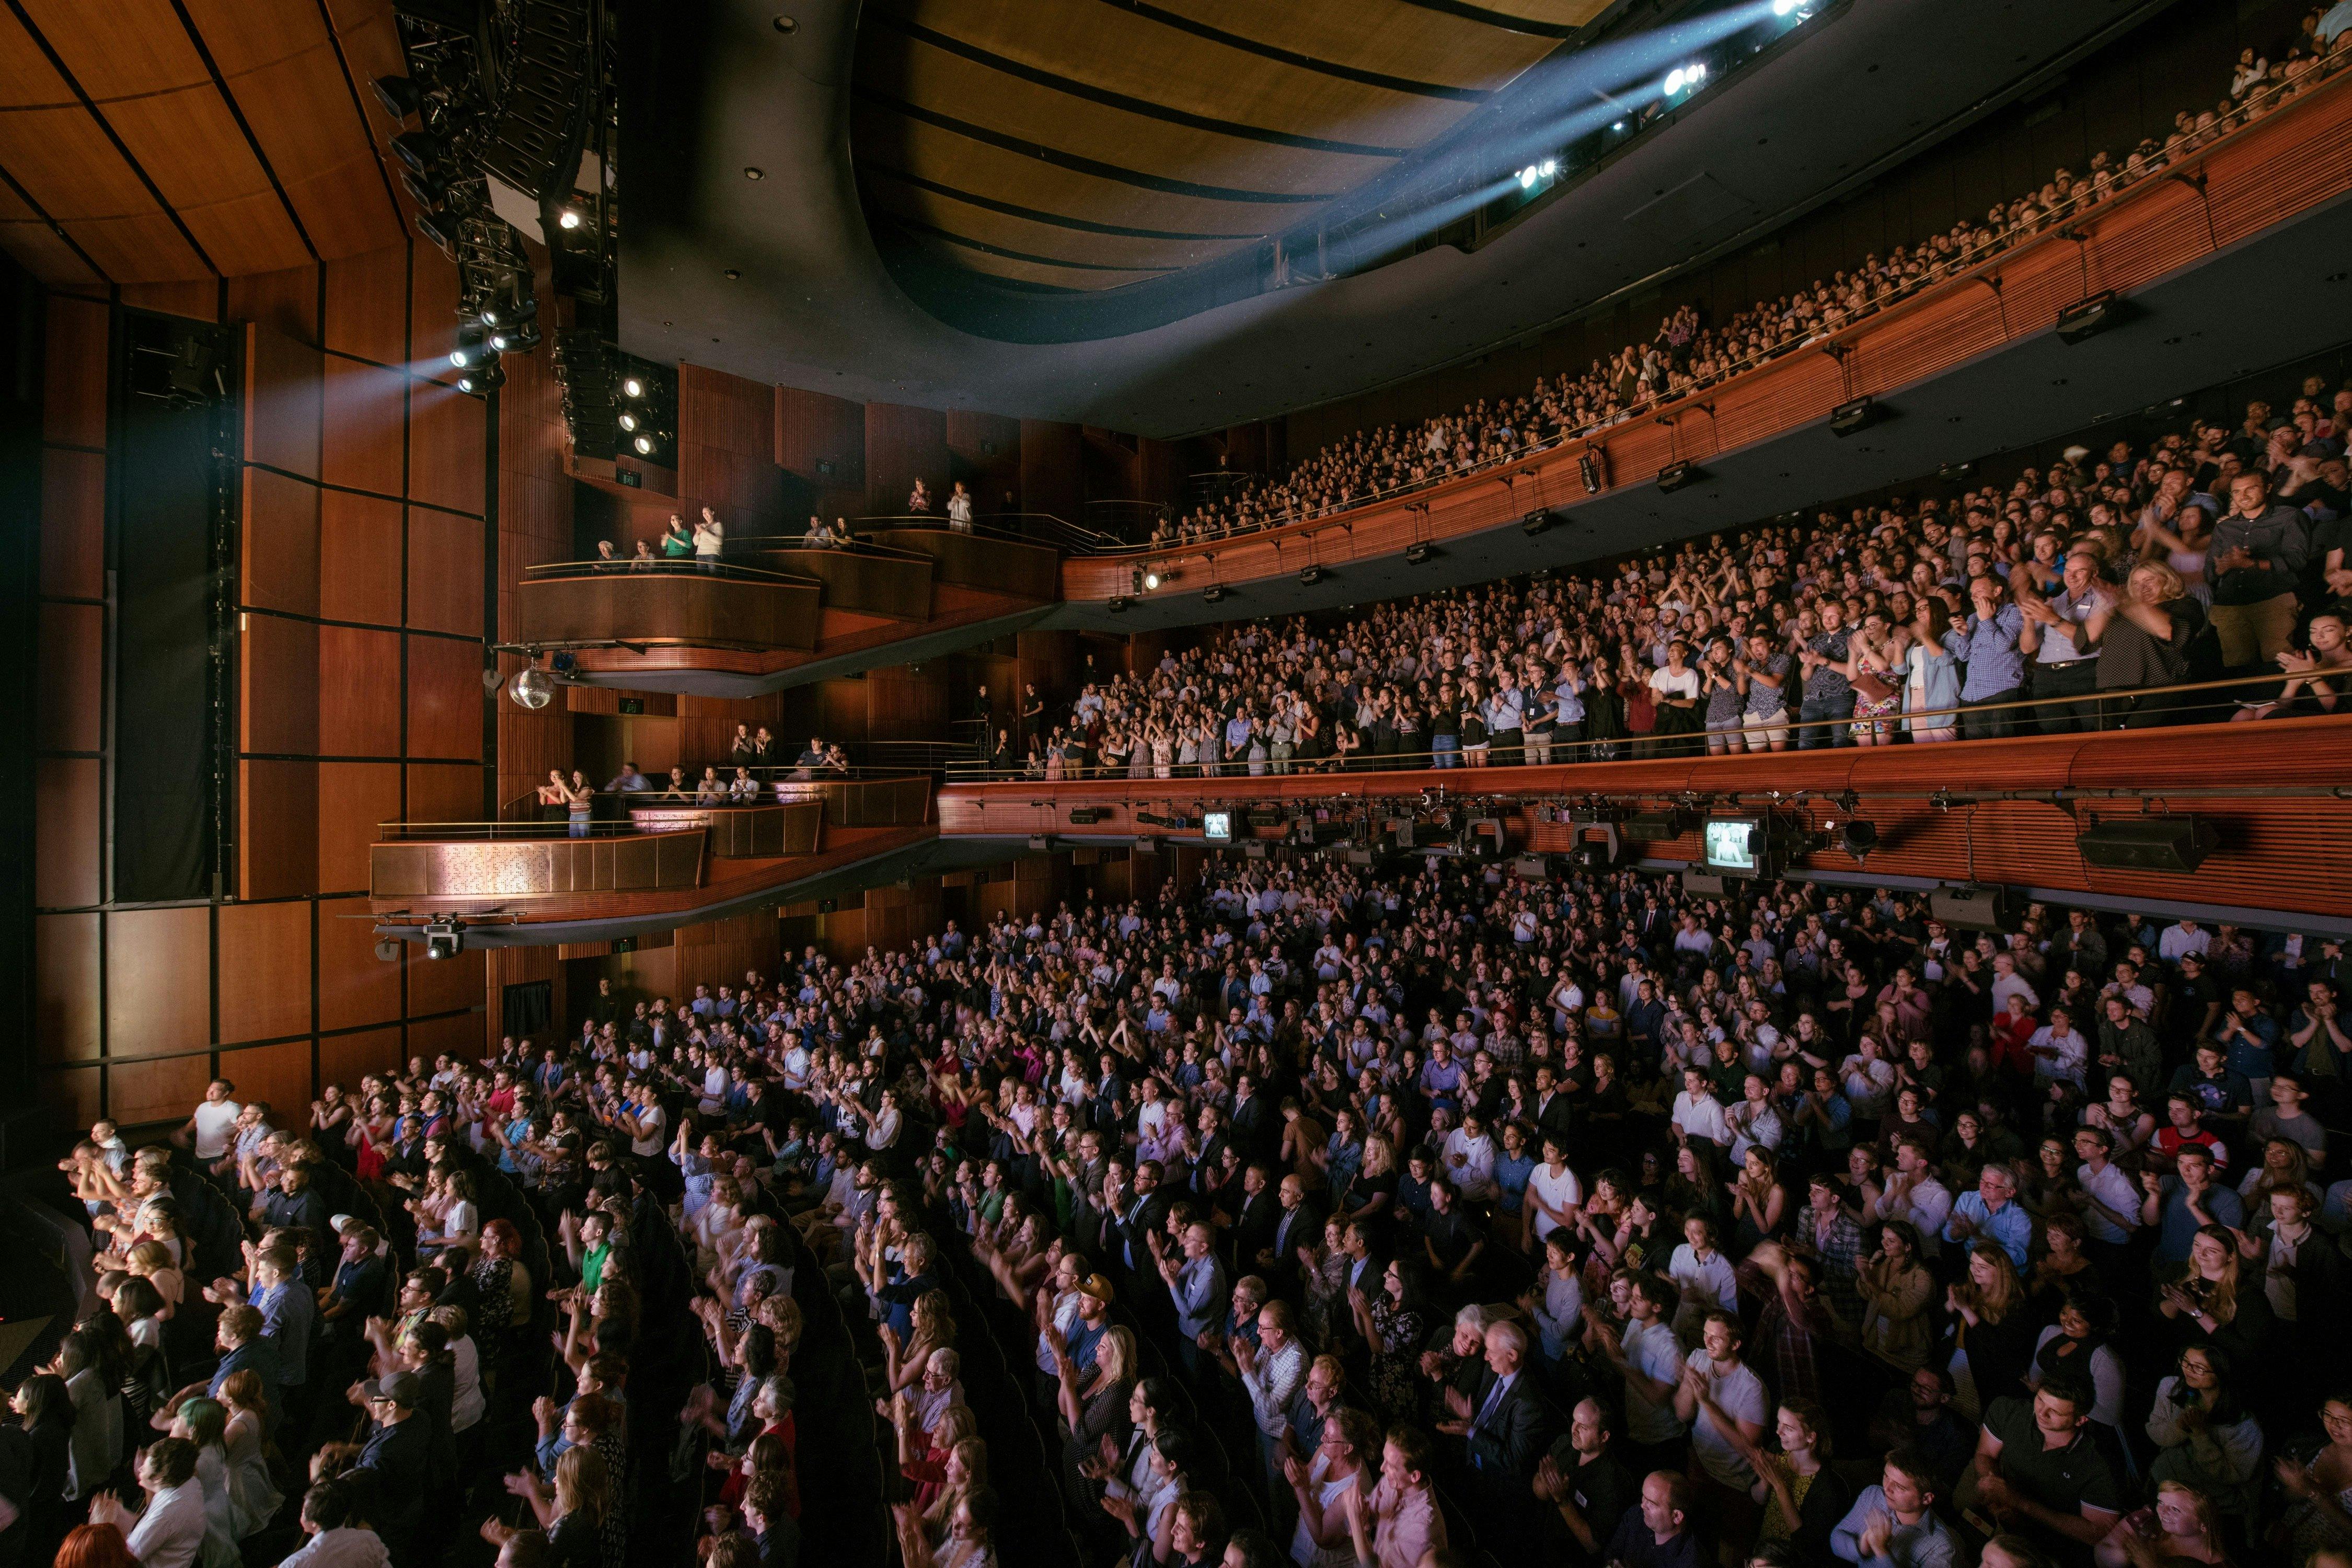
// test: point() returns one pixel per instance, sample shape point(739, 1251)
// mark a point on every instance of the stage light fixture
point(482, 377)
point(632, 388)
point(1420, 553)
point(1678, 476)
point(2088, 317)
point(1535, 522)
point(1858, 836)
point(445, 939)
point(441, 229)
point(511, 313)
point(515, 340)
point(1848, 417)
point(1592, 468)
point(1953, 473)
point(1215, 592)
point(469, 349)
point(420, 150)
point(644, 446)
point(1119, 604)
point(568, 218)
point(1310, 575)
point(1783, 7)
point(400, 95)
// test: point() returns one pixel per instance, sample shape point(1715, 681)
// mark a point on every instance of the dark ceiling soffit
point(1056, 82)
point(1060, 220)
point(917, 226)
point(1185, 24)
point(1062, 159)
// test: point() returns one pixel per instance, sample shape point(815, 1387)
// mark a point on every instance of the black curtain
point(526, 1009)
point(171, 389)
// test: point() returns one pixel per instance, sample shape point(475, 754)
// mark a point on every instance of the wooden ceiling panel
point(120, 49)
point(370, 43)
point(1030, 113)
point(283, 71)
point(1036, 236)
point(1127, 53)
point(1549, 13)
point(45, 256)
point(190, 145)
point(64, 161)
point(1382, 37)
point(976, 260)
point(960, 163)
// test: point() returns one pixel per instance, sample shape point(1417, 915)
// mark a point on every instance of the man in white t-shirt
point(214, 1122)
point(1718, 1390)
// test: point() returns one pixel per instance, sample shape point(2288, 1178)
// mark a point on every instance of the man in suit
point(1133, 1209)
point(1503, 1429)
point(1301, 1223)
point(1253, 1127)
point(1259, 1221)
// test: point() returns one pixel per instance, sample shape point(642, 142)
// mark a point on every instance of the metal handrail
point(1085, 541)
point(518, 818)
point(1694, 741)
point(1969, 262)
point(655, 566)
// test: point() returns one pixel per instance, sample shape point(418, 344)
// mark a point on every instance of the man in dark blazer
point(1504, 1428)
point(1254, 1126)
point(1258, 1222)
point(1301, 1222)
point(1133, 1209)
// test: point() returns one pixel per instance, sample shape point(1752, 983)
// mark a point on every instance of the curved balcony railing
point(2291, 154)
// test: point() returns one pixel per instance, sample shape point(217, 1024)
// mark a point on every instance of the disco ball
point(533, 689)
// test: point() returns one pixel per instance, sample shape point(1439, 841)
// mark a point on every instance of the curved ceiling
point(747, 243)
point(1086, 144)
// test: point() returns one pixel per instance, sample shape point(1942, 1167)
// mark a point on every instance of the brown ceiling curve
point(1083, 145)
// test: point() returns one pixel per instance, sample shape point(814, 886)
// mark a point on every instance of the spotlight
point(1858, 836)
point(1151, 580)
point(444, 939)
point(1535, 522)
point(1953, 473)
point(628, 421)
point(441, 228)
point(1685, 79)
point(510, 315)
point(1848, 417)
point(400, 96)
point(1676, 476)
point(1593, 469)
point(644, 446)
point(1119, 605)
point(482, 377)
point(1310, 575)
point(1783, 7)
point(568, 218)
point(515, 340)
point(1549, 167)
point(1675, 80)
point(1420, 553)
point(1215, 592)
point(420, 150)
point(2088, 317)
point(469, 349)
point(632, 388)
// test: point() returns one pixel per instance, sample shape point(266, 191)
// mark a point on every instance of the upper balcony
point(645, 862)
point(2195, 262)
point(774, 613)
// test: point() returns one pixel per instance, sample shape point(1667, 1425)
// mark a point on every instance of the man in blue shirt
point(2183, 1204)
point(1992, 1211)
point(2250, 1035)
point(1996, 668)
point(1196, 1282)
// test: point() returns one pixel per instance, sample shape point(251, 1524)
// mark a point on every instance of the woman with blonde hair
point(152, 1261)
point(1093, 1408)
point(934, 1330)
point(253, 1492)
point(2208, 1304)
point(572, 1513)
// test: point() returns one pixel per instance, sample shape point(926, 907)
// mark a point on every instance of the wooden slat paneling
point(65, 988)
point(265, 972)
point(158, 982)
point(278, 829)
point(444, 698)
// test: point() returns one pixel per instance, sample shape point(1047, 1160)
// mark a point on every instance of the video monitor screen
point(1732, 844)
point(1217, 826)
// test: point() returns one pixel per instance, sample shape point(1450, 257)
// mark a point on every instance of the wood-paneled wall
point(903, 444)
point(362, 585)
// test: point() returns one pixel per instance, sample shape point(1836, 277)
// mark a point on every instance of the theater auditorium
point(1151, 783)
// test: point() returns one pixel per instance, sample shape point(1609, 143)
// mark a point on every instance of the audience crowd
point(2065, 598)
point(1688, 355)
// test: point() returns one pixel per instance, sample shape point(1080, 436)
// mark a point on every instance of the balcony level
point(2271, 829)
point(772, 613)
point(652, 864)
point(2197, 260)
